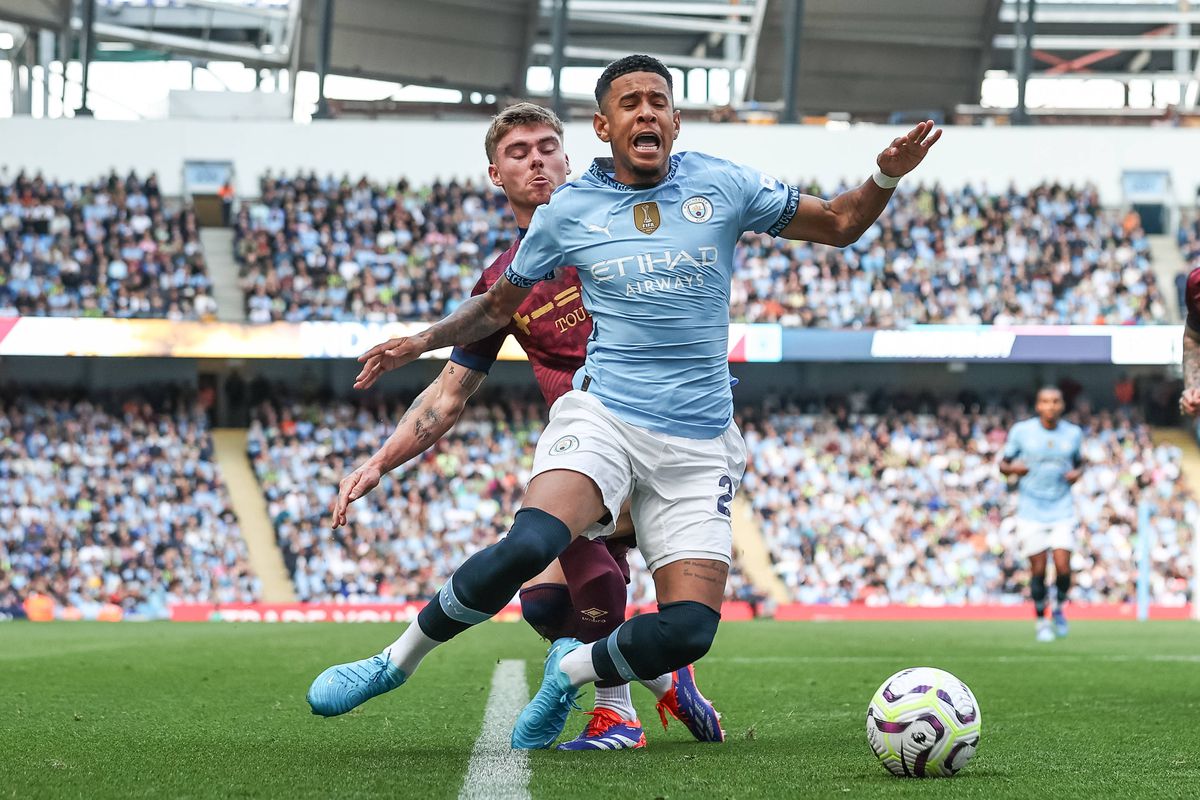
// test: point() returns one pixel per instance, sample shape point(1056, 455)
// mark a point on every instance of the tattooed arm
point(1189, 403)
point(428, 418)
point(478, 316)
point(843, 219)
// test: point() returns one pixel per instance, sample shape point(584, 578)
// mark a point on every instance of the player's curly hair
point(515, 116)
point(626, 65)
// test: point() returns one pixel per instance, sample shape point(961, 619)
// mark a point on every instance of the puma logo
point(594, 228)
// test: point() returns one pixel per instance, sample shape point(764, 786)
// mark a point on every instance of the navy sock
point(1037, 588)
point(548, 610)
point(650, 645)
point(1062, 583)
point(487, 580)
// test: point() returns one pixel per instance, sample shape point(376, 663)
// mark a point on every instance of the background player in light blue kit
point(651, 416)
point(1044, 451)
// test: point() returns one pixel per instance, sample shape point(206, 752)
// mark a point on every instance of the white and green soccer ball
point(923, 722)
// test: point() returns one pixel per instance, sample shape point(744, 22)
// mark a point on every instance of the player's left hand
point(1189, 403)
point(390, 355)
point(1073, 475)
point(905, 152)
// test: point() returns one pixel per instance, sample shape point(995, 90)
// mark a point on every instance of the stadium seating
point(334, 250)
point(405, 538)
point(114, 507)
point(1046, 256)
point(109, 248)
point(892, 507)
point(328, 249)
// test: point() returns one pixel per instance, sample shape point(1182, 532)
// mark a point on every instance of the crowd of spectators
point(865, 503)
point(114, 507)
point(1050, 255)
point(112, 503)
point(109, 248)
point(324, 248)
point(405, 538)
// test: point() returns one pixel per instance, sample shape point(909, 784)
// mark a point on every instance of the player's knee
point(687, 629)
point(547, 608)
point(536, 539)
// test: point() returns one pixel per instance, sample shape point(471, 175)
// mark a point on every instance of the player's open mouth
point(647, 142)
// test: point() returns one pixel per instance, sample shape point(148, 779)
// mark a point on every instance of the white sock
point(412, 646)
point(660, 685)
point(616, 698)
point(578, 666)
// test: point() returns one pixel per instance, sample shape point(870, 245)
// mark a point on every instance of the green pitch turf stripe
point(496, 771)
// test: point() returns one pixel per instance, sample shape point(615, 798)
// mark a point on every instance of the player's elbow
point(451, 401)
point(847, 234)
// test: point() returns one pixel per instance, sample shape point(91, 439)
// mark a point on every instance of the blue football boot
point(347, 686)
point(543, 720)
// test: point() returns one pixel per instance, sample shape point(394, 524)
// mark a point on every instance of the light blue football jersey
point(656, 266)
point(1043, 494)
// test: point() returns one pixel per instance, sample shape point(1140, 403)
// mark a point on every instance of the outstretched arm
point(840, 221)
point(429, 417)
point(1189, 403)
point(476, 318)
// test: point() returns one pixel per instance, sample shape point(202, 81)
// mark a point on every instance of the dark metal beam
point(323, 50)
point(1023, 55)
point(558, 46)
point(792, 34)
point(87, 47)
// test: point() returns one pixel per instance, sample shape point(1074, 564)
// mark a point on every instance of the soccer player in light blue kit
point(650, 420)
point(1044, 451)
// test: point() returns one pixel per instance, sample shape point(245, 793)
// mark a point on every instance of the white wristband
point(884, 181)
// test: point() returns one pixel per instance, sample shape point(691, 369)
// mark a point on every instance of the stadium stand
point(866, 503)
point(403, 539)
point(1047, 256)
point(109, 248)
point(330, 249)
point(113, 506)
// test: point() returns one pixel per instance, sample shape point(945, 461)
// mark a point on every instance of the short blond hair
point(515, 116)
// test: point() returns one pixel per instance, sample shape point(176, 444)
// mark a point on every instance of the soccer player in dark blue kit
point(650, 419)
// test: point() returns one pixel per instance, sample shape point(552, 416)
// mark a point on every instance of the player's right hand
point(352, 487)
point(1018, 469)
point(385, 357)
point(1189, 403)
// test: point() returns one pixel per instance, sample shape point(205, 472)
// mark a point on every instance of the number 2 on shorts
point(725, 483)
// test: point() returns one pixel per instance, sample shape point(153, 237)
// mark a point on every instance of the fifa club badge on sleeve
point(646, 218)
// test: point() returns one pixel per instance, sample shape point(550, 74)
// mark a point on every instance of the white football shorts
point(1038, 537)
point(680, 490)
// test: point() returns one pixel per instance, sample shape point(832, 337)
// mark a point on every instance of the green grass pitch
point(217, 711)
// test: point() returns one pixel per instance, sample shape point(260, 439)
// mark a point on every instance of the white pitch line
point(496, 771)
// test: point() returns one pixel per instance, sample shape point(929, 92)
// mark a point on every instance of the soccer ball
point(923, 722)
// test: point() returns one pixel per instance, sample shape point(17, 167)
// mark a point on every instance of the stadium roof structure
point(869, 58)
point(41, 14)
point(1122, 40)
